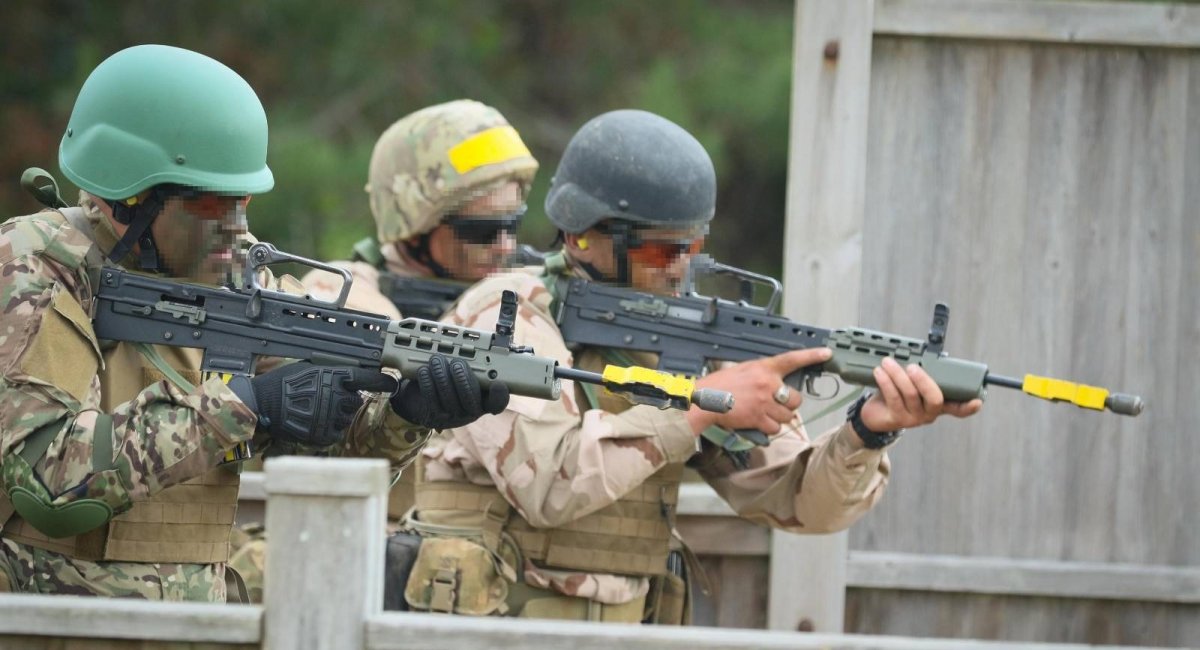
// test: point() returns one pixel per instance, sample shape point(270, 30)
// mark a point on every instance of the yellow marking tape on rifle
point(673, 385)
point(1091, 397)
point(495, 145)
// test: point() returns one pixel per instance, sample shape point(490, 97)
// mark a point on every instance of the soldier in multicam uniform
point(447, 188)
point(565, 509)
point(110, 452)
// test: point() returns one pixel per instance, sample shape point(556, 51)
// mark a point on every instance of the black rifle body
point(234, 328)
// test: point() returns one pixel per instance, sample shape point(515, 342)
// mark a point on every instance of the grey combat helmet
point(634, 166)
point(632, 169)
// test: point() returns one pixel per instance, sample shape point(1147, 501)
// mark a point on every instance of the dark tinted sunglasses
point(484, 230)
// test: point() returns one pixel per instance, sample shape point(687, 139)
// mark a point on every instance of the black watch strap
point(871, 439)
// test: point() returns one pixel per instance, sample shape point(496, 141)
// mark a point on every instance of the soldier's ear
point(577, 242)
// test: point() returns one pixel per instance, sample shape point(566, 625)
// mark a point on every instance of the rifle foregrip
point(856, 354)
point(710, 399)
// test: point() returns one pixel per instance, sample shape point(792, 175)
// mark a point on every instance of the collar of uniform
point(396, 260)
point(104, 233)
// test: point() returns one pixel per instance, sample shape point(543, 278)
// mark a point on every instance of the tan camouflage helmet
point(438, 158)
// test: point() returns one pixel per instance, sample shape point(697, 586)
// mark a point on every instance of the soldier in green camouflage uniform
point(110, 452)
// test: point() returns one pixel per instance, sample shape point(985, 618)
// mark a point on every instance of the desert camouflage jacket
point(557, 461)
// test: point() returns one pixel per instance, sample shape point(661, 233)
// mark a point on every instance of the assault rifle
point(236, 326)
point(689, 331)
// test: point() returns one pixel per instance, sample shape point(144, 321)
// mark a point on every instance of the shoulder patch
point(46, 233)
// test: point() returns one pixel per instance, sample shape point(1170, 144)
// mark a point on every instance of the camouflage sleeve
point(799, 485)
point(50, 361)
point(378, 432)
point(554, 462)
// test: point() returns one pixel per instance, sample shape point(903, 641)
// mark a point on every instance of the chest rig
point(632, 536)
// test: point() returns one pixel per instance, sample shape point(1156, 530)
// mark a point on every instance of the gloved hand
point(445, 394)
point(309, 404)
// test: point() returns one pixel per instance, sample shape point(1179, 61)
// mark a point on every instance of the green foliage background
point(333, 76)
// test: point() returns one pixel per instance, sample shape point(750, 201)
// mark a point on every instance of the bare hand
point(908, 398)
point(753, 385)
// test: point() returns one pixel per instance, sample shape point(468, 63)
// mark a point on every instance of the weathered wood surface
point(325, 563)
point(27, 642)
point(1048, 194)
point(1095, 580)
point(406, 631)
point(1020, 619)
point(127, 622)
point(1105, 23)
point(831, 69)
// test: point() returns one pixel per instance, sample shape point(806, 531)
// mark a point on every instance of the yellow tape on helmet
point(495, 145)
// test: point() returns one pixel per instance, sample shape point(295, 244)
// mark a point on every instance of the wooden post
point(831, 75)
point(324, 575)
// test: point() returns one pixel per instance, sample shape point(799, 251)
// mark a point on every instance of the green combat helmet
point(152, 116)
point(434, 160)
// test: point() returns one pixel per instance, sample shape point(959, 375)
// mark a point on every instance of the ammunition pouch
point(399, 559)
point(456, 574)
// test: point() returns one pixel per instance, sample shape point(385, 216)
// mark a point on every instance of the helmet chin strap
point(138, 217)
point(621, 232)
point(420, 252)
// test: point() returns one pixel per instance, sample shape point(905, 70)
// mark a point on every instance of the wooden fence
point(325, 592)
point(1037, 166)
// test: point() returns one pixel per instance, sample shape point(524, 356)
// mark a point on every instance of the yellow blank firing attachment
point(1089, 397)
point(663, 389)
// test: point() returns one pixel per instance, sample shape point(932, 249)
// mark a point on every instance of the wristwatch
point(871, 439)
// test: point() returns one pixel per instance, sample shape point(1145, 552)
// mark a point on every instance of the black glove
point(445, 394)
point(311, 405)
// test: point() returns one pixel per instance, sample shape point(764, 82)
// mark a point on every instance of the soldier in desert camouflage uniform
point(447, 188)
point(565, 509)
point(110, 452)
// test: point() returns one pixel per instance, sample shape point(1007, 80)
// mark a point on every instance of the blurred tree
point(334, 75)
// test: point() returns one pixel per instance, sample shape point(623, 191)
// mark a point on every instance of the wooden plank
point(724, 536)
point(1022, 618)
point(104, 618)
point(741, 599)
point(1028, 577)
point(28, 642)
point(1106, 23)
point(253, 487)
point(831, 71)
point(410, 631)
point(315, 477)
point(1084, 157)
point(324, 573)
point(736, 597)
point(700, 499)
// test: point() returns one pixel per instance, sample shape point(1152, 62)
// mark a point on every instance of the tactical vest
point(631, 536)
point(187, 523)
